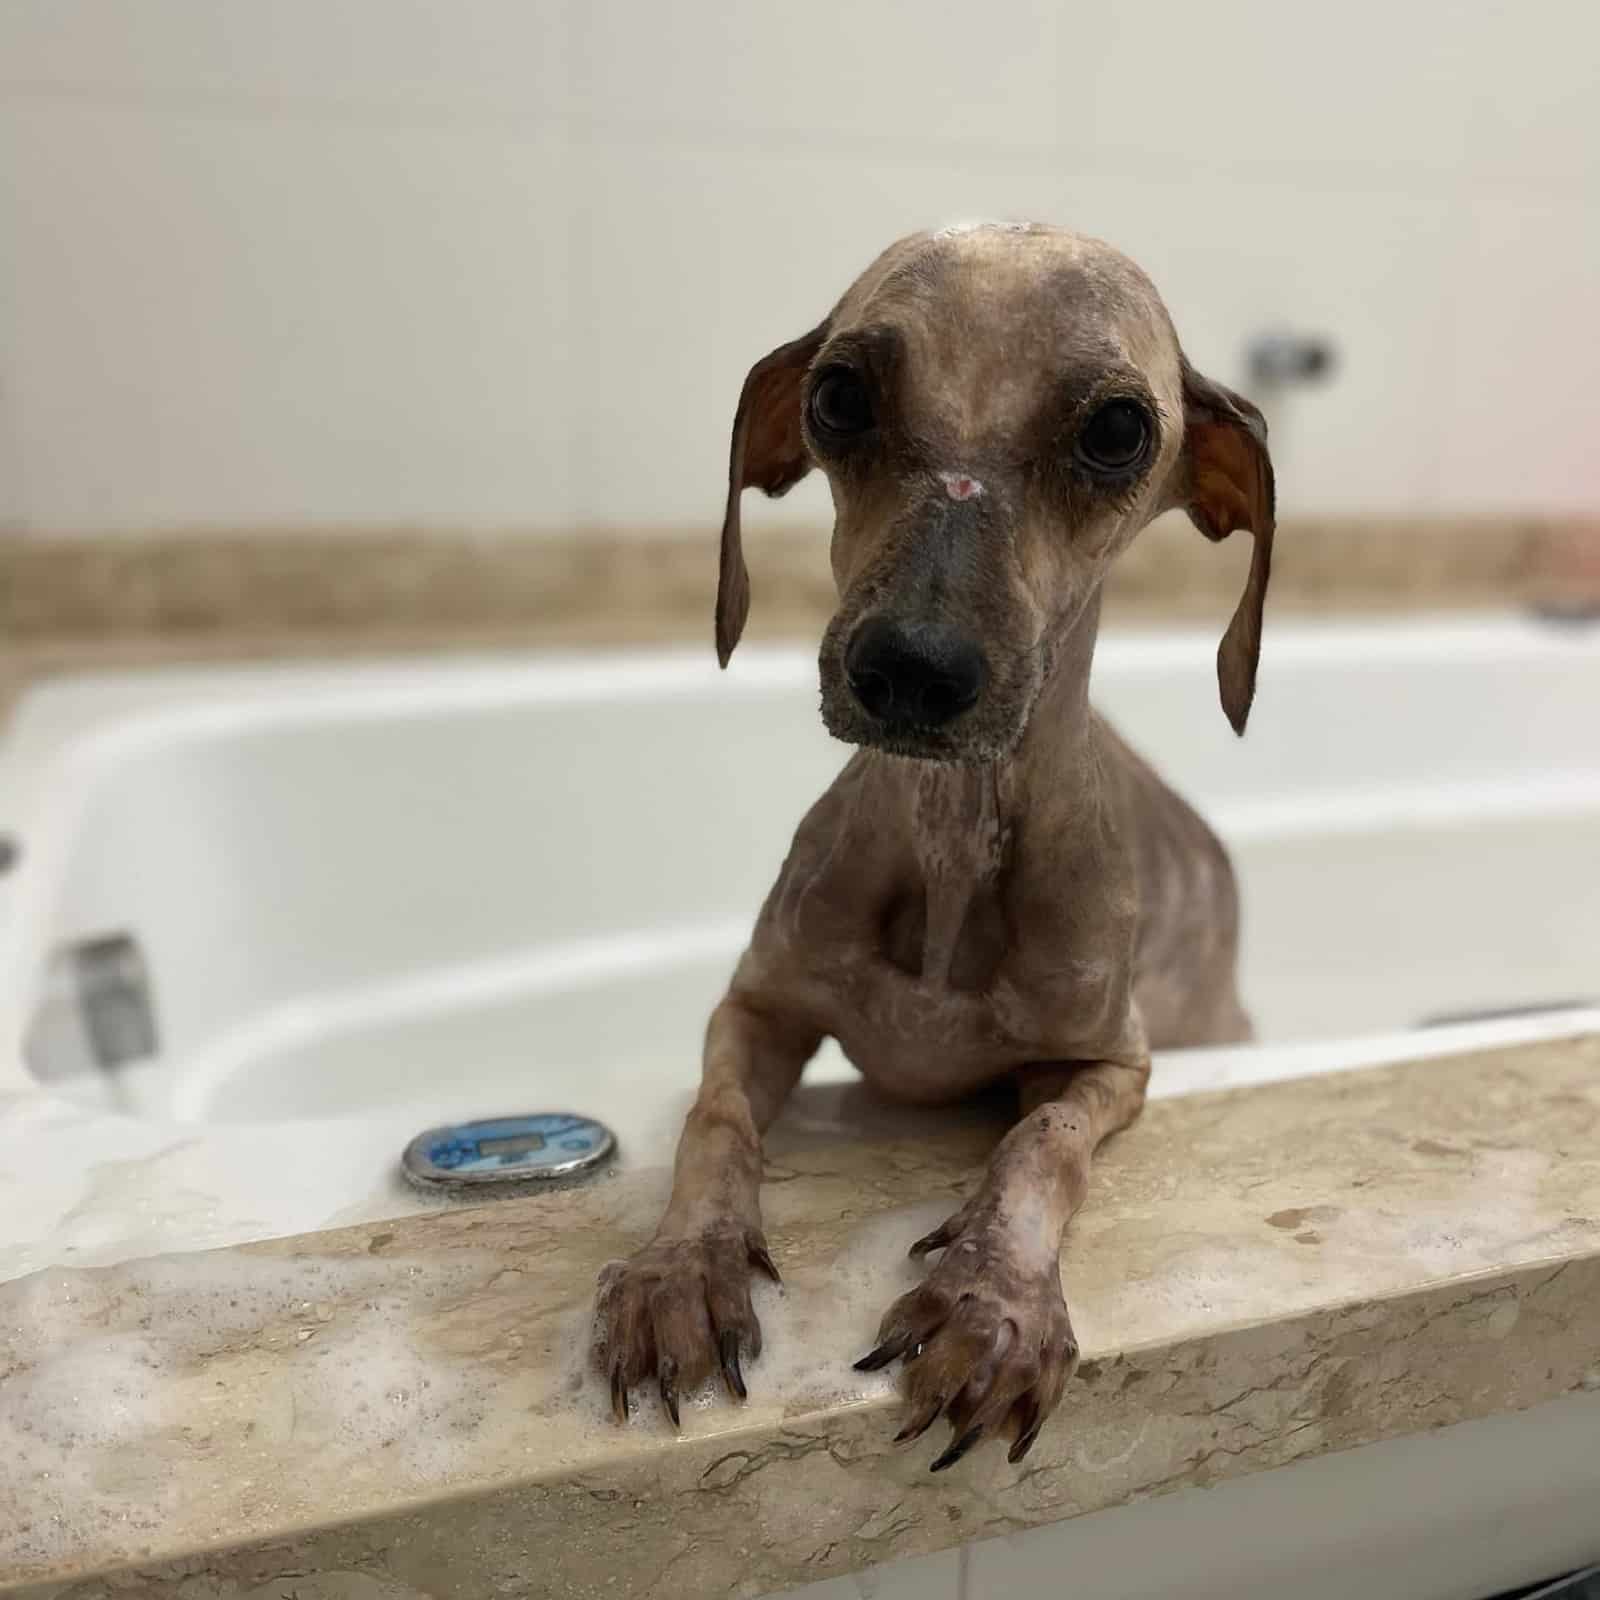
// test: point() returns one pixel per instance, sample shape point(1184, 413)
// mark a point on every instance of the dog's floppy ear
point(768, 453)
point(1228, 485)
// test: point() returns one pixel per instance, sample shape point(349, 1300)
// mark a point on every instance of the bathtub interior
point(439, 885)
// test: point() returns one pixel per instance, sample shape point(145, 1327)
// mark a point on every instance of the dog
point(996, 886)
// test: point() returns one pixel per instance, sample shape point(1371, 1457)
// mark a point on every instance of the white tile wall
point(461, 59)
point(215, 318)
point(1535, 112)
point(1519, 407)
point(1238, 85)
point(834, 74)
point(504, 262)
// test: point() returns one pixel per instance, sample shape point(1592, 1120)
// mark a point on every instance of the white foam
point(829, 1319)
point(107, 1373)
point(954, 230)
point(813, 1329)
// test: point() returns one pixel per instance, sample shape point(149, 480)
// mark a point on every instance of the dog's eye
point(840, 406)
point(1115, 437)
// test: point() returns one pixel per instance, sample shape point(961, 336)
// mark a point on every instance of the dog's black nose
point(913, 674)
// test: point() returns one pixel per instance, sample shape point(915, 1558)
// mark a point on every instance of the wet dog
point(996, 886)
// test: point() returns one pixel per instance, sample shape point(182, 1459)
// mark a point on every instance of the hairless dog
point(995, 886)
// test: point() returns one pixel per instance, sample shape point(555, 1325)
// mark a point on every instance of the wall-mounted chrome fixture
point(95, 1010)
point(1574, 611)
point(1277, 359)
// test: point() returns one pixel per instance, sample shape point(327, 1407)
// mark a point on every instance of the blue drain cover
point(544, 1148)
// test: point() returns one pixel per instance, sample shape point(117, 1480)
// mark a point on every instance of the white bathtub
point(370, 898)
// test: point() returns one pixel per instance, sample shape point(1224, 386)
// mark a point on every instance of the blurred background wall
point(503, 263)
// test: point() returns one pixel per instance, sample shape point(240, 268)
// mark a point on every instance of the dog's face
point(997, 415)
point(998, 411)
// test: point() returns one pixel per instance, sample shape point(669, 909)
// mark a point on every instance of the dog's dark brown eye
point(1115, 437)
point(840, 405)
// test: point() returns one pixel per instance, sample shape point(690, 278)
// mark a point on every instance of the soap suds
point(813, 1329)
point(826, 1319)
point(954, 230)
point(107, 1373)
point(181, 1390)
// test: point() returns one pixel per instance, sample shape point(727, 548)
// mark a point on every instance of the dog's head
point(998, 410)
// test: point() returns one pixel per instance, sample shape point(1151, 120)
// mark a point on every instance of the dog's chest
point(948, 928)
point(919, 999)
point(912, 925)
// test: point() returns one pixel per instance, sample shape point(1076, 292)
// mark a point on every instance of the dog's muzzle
point(909, 676)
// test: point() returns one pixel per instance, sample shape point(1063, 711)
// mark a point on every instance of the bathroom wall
point(503, 263)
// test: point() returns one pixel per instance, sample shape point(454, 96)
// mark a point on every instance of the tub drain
point(540, 1150)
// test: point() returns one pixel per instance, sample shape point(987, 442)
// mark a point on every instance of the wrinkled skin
point(1008, 893)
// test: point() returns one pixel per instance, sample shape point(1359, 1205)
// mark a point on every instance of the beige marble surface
point(402, 1409)
point(615, 583)
point(98, 604)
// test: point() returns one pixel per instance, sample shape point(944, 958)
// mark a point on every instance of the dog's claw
point(1023, 1445)
point(732, 1376)
point(985, 1338)
point(958, 1449)
point(677, 1313)
point(1029, 1422)
point(874, 1360)
point(762, 1257)
point(937, 1240)
point(920, 1425)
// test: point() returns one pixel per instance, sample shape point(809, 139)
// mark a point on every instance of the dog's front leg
point(680, 1309)
point(986, 1336)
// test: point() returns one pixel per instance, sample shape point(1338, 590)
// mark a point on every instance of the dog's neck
point(1058, 726)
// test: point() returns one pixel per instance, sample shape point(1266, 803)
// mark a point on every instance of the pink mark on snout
point(959, 486)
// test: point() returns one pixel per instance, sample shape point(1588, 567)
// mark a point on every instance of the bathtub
point(345, 902)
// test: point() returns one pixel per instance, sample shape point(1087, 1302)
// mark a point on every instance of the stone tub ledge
point(1260, 1276)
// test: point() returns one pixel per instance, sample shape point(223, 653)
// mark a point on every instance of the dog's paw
point(678, 1312)
point(986, 1340)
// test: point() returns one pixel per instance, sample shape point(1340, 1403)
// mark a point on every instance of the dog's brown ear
point(768, 453)
point(1228, 485)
